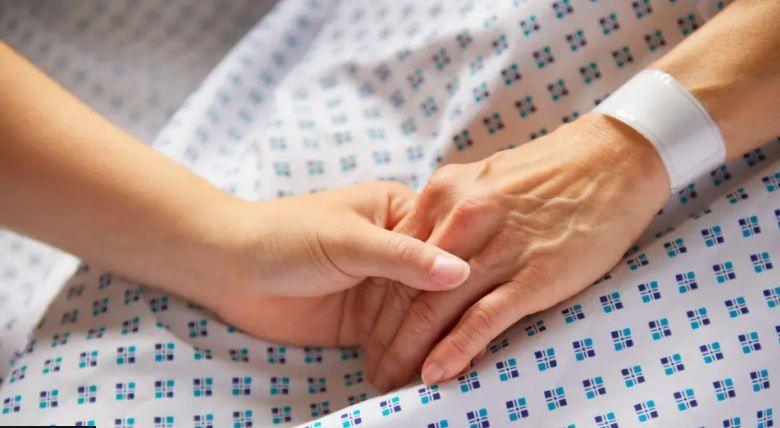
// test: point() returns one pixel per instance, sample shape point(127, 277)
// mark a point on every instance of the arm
point(531, 211)
point(70, 178)
point(732, 66)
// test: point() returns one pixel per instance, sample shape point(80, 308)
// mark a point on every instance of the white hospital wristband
point(663, 111)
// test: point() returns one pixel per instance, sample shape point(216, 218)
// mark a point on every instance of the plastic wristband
point(663, 111)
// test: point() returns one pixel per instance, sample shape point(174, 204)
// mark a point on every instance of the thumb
point(382, 253)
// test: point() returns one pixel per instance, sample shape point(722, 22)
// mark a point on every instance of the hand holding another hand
point(295, 269)
point(537, 223)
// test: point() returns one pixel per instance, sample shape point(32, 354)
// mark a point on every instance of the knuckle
point(481, 319)
point(536, 273)
point(469, 209)
point(442, 182)
point(458, 343)
point(422, 317)
point(407, 250)
point(400, 298)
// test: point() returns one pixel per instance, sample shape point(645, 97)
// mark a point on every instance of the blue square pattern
point(772, 296)
point(535, 328)
point(749, 226)
point(243, 419)
point(163, 421)
point(202, 387)
point(724, 389)
point(164, 351)
point(498, 345)
point(736, 306)
point(478, 418)
point(760, 380)
point(390, 406)
point(429, 393)
point(711, 352)
point(555, 398)
point(594, 387)
point(761, 262)
point(280, 385)
point(675, 247)
point(517, 409)
point(48, 398)
point(125, 391)
point(606, 420)
point(659, 328)
point(351, 418)
point(724, 272)
point(545, 359)
point(637, 261)
point(672, 364)
point(749, 342)
point(280, 415)
point(164, 388)
point(573, 313)
point(469, 381)
point(611, 302)
point(583, 349)
point(441, 423)
point(318, 409)
point(12, 404)
point(645, 411)
point(735, 422)
point(621, 339)
point(649, 291)
point(698, 317)
point(686, 282)
point(772, 182)
point(736, 196)
point(507, 369)
point(712, 236)
point(764, 418)
point(241, 385)
point(685, 399)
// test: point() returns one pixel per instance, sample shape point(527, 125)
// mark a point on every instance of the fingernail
point(432, 373)
point(449, 270)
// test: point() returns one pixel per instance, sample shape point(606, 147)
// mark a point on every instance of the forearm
point(72, 179)
point(732, 66)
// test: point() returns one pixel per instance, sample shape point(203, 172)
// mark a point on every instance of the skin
point(521, 217)
point(72, 179)
point(528, 219)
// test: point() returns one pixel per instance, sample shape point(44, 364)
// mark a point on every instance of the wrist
point(615, 146)
point(204, 254)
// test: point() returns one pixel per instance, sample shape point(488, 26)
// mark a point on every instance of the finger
point(428, 317)
point(481, 224)
point(480, 324)
point(376, 252)
point(397, 301)
point(467, 229)
point(393, 302)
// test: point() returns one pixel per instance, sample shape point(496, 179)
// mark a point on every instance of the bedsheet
point(684, 331)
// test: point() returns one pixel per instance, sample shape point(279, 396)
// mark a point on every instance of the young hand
point(294, 269)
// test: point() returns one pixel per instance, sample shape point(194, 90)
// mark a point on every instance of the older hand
point(538, 223)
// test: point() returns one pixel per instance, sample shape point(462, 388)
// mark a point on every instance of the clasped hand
point(536, 224)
